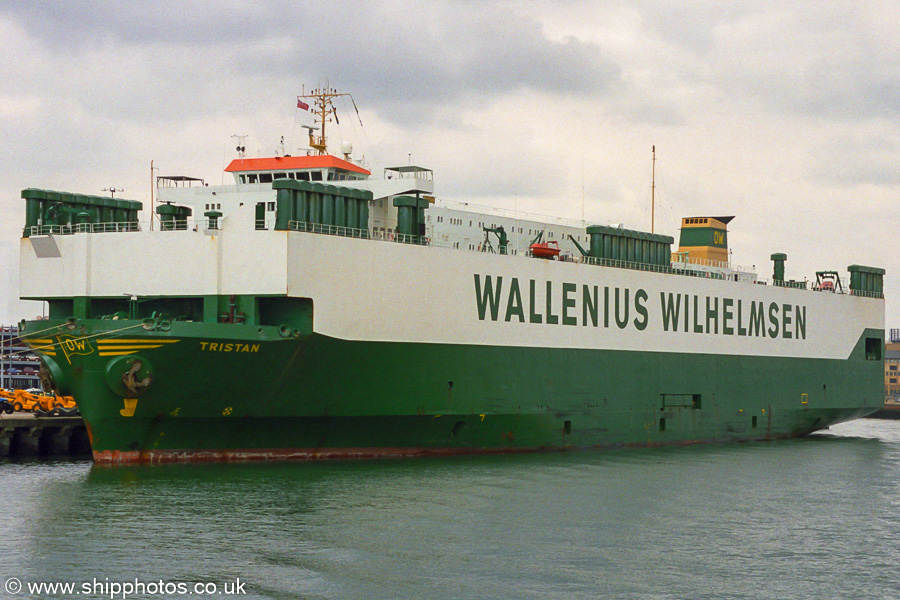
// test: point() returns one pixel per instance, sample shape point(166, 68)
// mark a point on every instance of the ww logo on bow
point(72, 346)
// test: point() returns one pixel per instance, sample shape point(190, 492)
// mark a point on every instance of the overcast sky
point(784, 114)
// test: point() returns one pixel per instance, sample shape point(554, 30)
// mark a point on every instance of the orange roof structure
point(277, 163)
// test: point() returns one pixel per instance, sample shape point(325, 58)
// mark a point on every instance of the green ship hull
point(183, 391)
point(304, 326)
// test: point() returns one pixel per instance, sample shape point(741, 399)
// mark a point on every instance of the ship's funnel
point(705, 238)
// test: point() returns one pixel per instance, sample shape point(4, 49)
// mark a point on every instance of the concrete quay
point(25, 435)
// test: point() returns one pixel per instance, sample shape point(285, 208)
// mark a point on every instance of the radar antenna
point(323, 109)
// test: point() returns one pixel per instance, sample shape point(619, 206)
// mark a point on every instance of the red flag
point(302, 104)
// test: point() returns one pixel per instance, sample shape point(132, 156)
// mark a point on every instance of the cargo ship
point(310, 310)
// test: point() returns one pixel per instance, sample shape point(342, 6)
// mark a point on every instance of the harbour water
point(810, 518)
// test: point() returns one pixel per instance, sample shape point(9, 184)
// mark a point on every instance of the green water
point(812, 518)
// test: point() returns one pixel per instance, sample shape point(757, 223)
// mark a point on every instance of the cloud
point(782, 114)
point(73, 27)
point(819, 61)
point(392, 52)
point(853, 159)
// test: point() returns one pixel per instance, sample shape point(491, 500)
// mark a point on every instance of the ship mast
point(323, 109)
point(653, 192)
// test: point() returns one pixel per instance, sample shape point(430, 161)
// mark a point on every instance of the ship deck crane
point(502, 239)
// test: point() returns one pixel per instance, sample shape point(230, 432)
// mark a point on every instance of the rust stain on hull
point(117, 457)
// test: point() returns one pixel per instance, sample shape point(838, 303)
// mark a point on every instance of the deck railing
point(865, 294)
point(624, 264)
point(73, 228)
point(123, 226)
point(798, 285)
point(353, 232)
point(681, 258)
point(679, 266)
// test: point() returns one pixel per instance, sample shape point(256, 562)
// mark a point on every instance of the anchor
point(129, 380)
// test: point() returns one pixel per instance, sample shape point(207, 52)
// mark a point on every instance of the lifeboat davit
point(545, 250)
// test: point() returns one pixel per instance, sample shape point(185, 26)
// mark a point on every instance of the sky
point(785, 115)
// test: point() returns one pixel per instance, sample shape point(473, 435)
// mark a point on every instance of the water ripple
point(811, 518)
